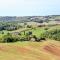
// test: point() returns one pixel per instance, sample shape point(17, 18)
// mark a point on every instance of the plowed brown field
point(47, 50)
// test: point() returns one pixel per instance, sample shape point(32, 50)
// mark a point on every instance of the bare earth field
point(47, 50)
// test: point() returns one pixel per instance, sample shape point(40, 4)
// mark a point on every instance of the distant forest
point(28, 18)
point(13, 22)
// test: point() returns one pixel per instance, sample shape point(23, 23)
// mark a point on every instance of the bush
point(23, 39)
point(29, 26)
point(52, 34)
point(9, 38)
point(46, 28)
point(29, 33)
point(34, 36)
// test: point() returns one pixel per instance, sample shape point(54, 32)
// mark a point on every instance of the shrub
point(29, 33)
point(46, 28)
point(52, 34)
point(23, 39)
point(34, 36)
point(9, 38)
point(29, 26)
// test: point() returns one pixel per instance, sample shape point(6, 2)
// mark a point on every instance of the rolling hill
point(47, 50)
point(29, 18)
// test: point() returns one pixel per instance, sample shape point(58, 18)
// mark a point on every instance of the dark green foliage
point(34, 36)
point(24, 39)
point(10, 38)
point(9, 26)
point(2, 32)
point(29, 33)
point(29, 26)
point(39, 38)
point(41, 21)
point(52, 34)
point(46, 28)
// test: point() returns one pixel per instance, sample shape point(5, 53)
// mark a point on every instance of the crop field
point(47, 50)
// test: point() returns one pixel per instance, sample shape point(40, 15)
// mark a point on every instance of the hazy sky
point(29, 7)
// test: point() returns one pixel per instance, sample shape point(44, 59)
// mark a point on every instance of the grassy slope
point(47, 50)
point(30, 50)
point(36, 31)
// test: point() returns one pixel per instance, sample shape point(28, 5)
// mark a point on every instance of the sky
point(29, 7)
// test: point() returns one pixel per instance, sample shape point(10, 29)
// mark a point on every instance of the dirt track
point(53, 49)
